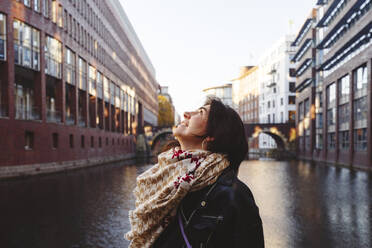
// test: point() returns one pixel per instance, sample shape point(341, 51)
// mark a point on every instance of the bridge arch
point(159, 137)
point(284, 134)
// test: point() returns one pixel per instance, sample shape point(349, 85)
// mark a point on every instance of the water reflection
point(308, 205)
point(301, 204)
point(87, 208)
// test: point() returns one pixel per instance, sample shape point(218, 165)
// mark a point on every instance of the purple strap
point(182, 231)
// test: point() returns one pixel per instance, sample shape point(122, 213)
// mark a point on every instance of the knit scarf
point(161, 188)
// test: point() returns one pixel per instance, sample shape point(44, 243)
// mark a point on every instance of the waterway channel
point(302, 204)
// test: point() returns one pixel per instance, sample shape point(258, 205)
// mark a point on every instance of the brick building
point(305, 61)
point(340, 116)
point(246, 96)
point(75, 81)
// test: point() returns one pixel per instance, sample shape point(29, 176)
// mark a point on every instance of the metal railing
point(53, 116)
point(26, 112)
point(70, 120)
point(81, 121)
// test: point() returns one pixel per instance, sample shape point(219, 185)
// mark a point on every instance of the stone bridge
point(284, 134)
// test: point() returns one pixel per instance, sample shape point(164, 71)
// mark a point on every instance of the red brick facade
point(81, 123)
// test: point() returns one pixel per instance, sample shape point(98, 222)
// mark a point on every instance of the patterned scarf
point(161, 188)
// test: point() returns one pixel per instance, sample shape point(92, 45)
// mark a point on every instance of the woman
point(192, 197)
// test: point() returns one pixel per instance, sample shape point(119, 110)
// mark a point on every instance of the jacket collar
point(227, 177)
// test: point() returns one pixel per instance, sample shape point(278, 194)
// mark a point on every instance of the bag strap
point(183, 231)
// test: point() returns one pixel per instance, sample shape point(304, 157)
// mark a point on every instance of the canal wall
point(17, 171)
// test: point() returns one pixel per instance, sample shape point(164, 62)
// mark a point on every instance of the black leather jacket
point(221, 215)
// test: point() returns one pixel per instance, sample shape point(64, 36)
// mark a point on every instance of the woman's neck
point(186, 146)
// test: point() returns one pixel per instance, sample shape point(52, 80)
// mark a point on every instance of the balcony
point(26, 112)
point(53, 116)
point(271, 84)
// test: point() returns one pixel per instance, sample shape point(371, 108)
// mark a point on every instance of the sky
point(196, 44)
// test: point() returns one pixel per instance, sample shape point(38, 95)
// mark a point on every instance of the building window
point(360, 139)
point(71, 141)
point(360, 97)
point(331, 106)
point(46, 8)
point(26, 45)
point(53, 57)
point(281, 101)
point(29, 140)
point(100, 142)
point(54, 11)
point(27, 3)
point(331, 141)
point(2, 37)
point(360, 81)
point(82, 141)
point(268, 104)
point(343, 115)
point(344, 140)
point(331, 117)
point(55, 140)
point(319, 121)
point(292, 87)
point(65, 20)
point(319, 141)
point(60, 16)
point(281, 117)
point(37, 5)
point(360, 112)
point(291, 99)
point(273, 103)
point(82, 74)
point(99, 85)
point(344, 89)
point(92, 81)
point(112, 93)
point(24, 98)
point(70, 66)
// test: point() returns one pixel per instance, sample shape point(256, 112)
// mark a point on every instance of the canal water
point(301, 204)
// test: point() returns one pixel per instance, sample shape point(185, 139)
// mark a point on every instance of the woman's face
point(193, 125)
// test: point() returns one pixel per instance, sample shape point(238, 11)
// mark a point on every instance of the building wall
point(224, 92)
point(45, 111)
point(340, 120)
point(245, 97)
point(274, 87)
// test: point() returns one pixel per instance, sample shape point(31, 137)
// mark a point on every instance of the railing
point(81, 121)
point(70, 120)
point(4, 110)
point(53, 116)
point(25, 112)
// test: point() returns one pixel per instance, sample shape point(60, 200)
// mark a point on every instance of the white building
point(224, 92)
point(276, 87)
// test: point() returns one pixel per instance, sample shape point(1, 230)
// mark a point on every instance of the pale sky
point(196, 44)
